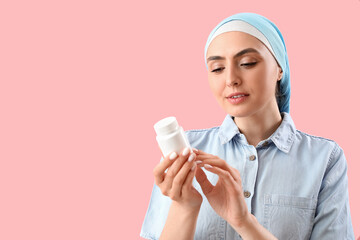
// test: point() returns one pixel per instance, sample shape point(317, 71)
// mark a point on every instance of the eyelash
point(244, 64)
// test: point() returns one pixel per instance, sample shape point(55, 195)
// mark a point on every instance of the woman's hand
point(176, 183)
point(226, 197)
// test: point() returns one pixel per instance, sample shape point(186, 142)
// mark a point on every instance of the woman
point(263, 179)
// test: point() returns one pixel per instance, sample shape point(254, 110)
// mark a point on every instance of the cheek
point(263, 80)
point(216, 86)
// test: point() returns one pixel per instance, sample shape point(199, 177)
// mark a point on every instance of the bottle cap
point(166, 126)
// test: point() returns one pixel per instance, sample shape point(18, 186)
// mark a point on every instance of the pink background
point(83, 82)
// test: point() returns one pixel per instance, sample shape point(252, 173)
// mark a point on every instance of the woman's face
point(239, 63)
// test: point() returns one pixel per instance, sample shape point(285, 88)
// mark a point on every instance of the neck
point(260, 125)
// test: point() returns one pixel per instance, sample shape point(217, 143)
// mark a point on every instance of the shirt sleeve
point(156, 215)
point(332, 218)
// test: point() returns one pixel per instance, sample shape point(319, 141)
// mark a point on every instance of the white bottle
point(170, 136)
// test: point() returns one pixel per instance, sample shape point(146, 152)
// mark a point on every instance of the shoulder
point(306, 137)
point(318, 145)
point(309, 145)
point(202, 131)
point(200, 136)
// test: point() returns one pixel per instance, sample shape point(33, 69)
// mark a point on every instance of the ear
point(280, 74)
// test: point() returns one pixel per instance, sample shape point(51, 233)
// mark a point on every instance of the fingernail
point(173, 155)
point(193, 168)
point(194, 149)
point(192, 157)
point(208, 166)
point(186, 151)
point(198, 162)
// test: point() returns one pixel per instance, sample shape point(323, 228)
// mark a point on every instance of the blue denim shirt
point(297, 183)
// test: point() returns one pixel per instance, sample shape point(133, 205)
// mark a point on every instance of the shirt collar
point(283, 137)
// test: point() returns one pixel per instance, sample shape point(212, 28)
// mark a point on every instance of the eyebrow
point(242, 52)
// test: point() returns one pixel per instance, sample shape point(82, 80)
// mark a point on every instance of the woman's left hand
point(227, 196)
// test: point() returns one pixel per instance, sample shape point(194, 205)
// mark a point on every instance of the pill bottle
point(170, 136)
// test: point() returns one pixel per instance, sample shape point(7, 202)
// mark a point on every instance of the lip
point(237, 93)
point(236, 101)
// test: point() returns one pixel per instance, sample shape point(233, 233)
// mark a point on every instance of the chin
point(237, 111)
point(240, 111)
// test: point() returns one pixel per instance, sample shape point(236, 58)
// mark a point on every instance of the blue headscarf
point(273, 35)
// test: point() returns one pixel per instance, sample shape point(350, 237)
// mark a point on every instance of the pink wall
point(83, 82)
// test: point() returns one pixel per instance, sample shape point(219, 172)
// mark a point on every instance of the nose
point(232, 76)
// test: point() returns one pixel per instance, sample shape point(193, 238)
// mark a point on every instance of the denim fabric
point(298, 184)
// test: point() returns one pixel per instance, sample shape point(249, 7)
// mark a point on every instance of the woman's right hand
point(176, 182)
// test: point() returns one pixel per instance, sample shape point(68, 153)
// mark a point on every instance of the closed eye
point(248, 64)
point(217, 69)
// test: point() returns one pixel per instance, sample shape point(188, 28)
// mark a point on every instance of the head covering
point(267, 32)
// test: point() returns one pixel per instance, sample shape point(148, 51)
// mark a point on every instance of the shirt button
point(252, 157)
point(247, 194)
point(265, 143)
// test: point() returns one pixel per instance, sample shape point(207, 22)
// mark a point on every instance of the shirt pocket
point(289, 217)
